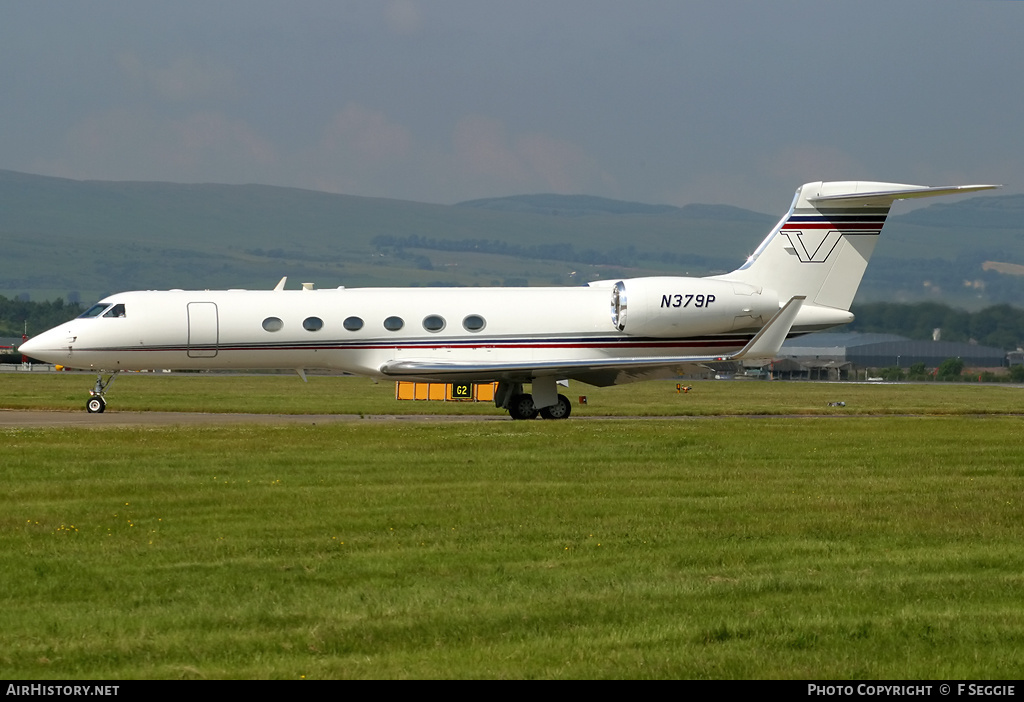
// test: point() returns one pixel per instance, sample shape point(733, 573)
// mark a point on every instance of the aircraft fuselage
point(361, 330)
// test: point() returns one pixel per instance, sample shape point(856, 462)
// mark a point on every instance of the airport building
point(832, 356)
point(8, 344)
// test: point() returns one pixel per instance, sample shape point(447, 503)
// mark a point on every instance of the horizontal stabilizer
point(883, 196)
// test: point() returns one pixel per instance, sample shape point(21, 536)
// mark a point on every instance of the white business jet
point(802, 278)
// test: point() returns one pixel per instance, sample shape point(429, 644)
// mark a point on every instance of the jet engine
point(669, 307)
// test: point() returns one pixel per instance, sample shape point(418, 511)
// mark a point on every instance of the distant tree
point(17, 315)
point(892, 373)
point(1001, 326)
point(950, 369)
point(918, 371)
point(1017, 374)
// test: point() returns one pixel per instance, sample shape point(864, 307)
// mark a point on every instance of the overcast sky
point(724, 101)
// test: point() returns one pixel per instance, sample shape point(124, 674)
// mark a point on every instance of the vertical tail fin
point(821, 248)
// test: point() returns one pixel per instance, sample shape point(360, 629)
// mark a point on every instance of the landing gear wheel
point(559, 410)
point(522, 407)
point(96, 402)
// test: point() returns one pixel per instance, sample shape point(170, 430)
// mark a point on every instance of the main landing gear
point(559, 410)
point(97, 403)
point(521, 405)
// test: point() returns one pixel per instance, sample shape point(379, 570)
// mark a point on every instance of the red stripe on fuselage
point(624, 345)
point(406, 347)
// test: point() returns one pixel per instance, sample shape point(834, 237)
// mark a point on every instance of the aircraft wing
point(600, 371)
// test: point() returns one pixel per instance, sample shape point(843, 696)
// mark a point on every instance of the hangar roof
point(839, 339)
point(928, 352)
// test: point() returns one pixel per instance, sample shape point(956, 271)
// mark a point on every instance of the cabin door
point(203, 332)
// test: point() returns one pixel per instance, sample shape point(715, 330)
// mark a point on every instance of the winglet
point(767, 342)
point(280, 286)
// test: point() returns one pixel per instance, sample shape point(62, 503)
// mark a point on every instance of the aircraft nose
point(29, 347)
point(33, 347)
point(44, 346)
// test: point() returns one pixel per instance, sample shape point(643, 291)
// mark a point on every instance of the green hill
point(80, 240)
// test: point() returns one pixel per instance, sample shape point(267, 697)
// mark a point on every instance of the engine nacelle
point(668, 307)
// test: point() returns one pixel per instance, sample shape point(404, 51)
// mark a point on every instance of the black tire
point(560, 410)
point(522, 407)
point(95, 405)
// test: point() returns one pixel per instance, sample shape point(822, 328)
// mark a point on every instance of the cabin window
point(353, 324)
point(433, 323)
point(116, 311)
point(94, 311)
point(273, 324)
point(473, 323)
point(394, 323)
point(312, 324)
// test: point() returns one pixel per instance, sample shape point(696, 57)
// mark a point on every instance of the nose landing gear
point(97, 403)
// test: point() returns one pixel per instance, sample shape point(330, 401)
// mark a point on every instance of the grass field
point(287, 394)
point(730, 547)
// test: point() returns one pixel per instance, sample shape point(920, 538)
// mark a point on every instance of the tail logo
point(813, 246)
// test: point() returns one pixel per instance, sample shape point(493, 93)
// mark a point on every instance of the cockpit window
point(94, 311)
point(116, 311)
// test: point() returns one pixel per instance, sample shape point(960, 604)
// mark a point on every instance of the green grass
point(735, 547)
point(348, 395)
